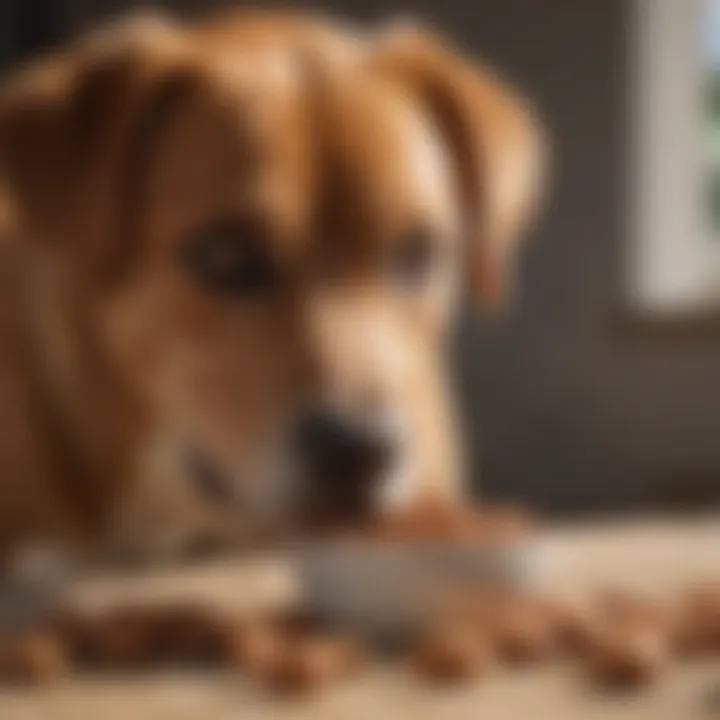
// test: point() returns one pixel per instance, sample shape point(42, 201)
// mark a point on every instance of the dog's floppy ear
point(67, 126)
point(494, 137)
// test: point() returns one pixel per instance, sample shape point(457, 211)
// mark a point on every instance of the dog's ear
point(494, 137)
point(69, 123)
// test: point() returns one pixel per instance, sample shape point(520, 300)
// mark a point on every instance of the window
point(712, 116)
point(675, 162)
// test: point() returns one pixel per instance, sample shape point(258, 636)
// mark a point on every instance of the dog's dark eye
point(232, 259)
point(414, 258)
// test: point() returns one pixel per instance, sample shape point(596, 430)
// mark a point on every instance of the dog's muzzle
point(335, 467)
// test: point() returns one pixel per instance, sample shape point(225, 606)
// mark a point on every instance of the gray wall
point(562, 409)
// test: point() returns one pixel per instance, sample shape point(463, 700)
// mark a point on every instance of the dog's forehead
point(394, 149)
point(237, 140)
point(267, 129)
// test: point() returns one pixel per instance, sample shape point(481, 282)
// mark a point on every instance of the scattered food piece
point(190, 633)
point(699, 628)
point(524, 634)
point(123, 637)
point(628, 659)
point(310, 663)
point(576, 621)
point(33, 658)
point(255, 646)
point(451, 654)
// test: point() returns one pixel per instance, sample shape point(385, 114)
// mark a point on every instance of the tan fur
point(115, 151)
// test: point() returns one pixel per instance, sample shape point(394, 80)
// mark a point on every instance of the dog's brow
point(139, 153)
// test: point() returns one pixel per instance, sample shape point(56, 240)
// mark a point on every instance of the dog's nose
point(343, 460)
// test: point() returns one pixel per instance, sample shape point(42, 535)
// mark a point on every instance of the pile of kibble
point(620, 639)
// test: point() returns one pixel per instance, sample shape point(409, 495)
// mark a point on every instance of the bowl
point(387, 589)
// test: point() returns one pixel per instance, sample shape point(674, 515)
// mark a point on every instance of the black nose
point(342, 461)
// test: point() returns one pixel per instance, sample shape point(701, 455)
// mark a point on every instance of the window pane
point(711, 115)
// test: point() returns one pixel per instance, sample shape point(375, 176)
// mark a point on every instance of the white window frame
point(674, 265)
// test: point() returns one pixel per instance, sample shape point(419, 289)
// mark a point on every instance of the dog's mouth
point(337, 494)
point(312, 503)
point(318, 490)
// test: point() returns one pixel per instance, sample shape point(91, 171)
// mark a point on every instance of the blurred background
point(600, 390)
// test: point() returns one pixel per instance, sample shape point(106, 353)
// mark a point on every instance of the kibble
point(450, 654)
point(255, 646)
point(699, 623)
point(523, 633)
point(189, 633)
point(627, 659)
point(308, 664)
point(123, 637)
point(575, 621)
point(32, 658)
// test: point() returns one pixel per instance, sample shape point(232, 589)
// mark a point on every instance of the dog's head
point(265, 225)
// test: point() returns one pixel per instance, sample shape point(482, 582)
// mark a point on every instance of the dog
point(230, 255)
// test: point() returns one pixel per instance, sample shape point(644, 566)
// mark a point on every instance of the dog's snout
point(343, 459)
point(330, 442)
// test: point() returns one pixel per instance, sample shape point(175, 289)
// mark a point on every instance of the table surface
point(653, 554)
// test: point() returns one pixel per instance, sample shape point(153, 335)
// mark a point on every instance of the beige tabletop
point(655, 554)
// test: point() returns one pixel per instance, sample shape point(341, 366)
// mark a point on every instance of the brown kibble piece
point(523, 633)
point(297, 674)
point(135, 635)
point(123, 637)
point(34, 658)
point(628, 659)
point(633, 614)
point(310, 663)
point(70, 629)
point(574, 621)
point(190, 633)
point(698, 630)
point(350, 656)
point(450, 654)
point(255, 646)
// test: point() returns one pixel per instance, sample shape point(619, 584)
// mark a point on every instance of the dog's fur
point(338, 143)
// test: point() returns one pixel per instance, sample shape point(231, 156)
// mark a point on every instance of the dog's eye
point(414, 258)
point(232, 259)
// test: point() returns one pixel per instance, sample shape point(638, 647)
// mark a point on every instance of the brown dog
point(230, 256)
